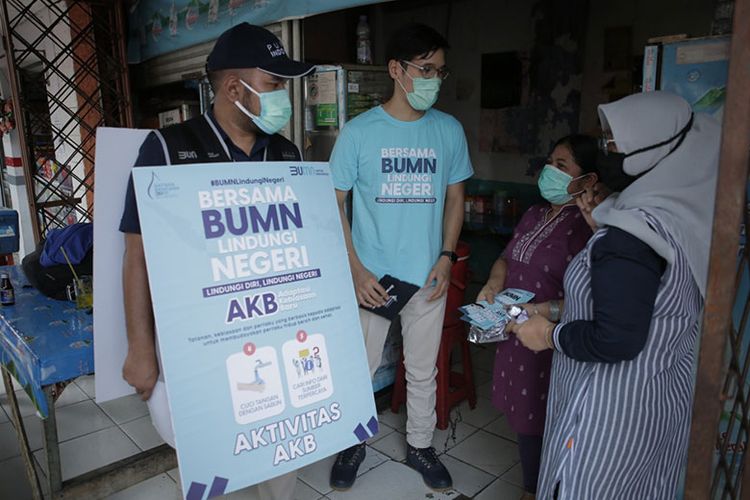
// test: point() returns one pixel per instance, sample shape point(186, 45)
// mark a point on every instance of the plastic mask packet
point(488, 321)
point(497, 332)
point(479, 335)
point(511, 296)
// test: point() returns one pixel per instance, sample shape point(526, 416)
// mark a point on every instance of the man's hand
point(441, 273)
point(141, 370)
point(370, 293)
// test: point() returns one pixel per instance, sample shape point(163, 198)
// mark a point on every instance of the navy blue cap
point(250, 46)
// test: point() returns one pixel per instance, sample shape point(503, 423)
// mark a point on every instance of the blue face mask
point(425, 92)
point(275, 109)
point(553, 184)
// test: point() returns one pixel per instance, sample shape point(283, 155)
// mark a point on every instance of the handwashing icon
point(258, 385)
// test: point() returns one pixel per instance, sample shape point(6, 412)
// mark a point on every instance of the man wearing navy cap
point(248, 69)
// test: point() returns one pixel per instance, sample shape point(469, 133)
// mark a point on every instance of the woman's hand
point(534, 309)
point(488, 292)
point(551, 310)
point(535, 333)
point(590, 199)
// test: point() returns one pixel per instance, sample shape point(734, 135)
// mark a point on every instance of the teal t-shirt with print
point(399, 172)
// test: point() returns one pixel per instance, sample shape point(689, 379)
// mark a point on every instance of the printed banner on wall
point(697, 71)
point(162, 26)
point(257, 320)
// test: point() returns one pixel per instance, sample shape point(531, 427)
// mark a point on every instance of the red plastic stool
point(452, 386)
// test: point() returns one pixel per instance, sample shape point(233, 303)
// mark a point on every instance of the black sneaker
point(426, 462)
point(344, 470)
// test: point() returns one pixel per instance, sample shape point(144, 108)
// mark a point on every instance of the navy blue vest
point(197, 141)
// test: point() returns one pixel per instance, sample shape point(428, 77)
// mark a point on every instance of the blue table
point(43, 341)
point(45, 344)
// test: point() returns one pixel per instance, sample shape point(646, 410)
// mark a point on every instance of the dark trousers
point(530, 449)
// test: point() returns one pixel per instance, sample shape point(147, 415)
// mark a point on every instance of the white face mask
point(275, 109)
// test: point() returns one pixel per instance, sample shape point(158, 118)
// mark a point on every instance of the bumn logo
point(187, 155)
point(302, 170)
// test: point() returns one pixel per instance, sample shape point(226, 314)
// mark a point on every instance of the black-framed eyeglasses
point(430, 71)
point(604, 143)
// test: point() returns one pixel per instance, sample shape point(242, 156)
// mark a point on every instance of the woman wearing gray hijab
point(618, 412)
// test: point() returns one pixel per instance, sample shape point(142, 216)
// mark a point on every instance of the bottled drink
point(7, 295)
point(364, 53)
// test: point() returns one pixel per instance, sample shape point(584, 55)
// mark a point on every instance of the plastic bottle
point(7, 294)
point(364, 52)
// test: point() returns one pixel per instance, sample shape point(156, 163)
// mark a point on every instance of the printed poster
point(162, 26)
point(257, 320)
point(697, 70)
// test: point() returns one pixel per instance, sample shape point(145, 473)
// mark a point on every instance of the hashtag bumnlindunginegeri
point(237, 182)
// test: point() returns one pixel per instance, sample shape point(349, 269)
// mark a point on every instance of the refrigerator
point(696, 69)
point(335, 94)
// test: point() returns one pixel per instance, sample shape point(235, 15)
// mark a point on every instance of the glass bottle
point(7, 294)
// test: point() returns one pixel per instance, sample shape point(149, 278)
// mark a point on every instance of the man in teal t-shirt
point(405, 164)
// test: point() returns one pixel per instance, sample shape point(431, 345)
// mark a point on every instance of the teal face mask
point(275, 109)
point(553, 184)
point(425, 92)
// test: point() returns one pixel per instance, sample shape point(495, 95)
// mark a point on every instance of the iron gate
point(68, 74)
point(716, 462)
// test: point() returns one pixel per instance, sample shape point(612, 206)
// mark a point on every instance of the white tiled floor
point(480, 452)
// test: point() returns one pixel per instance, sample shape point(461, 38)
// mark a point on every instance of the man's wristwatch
point(453, 256)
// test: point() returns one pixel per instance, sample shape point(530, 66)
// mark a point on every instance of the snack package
point(488, 321)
